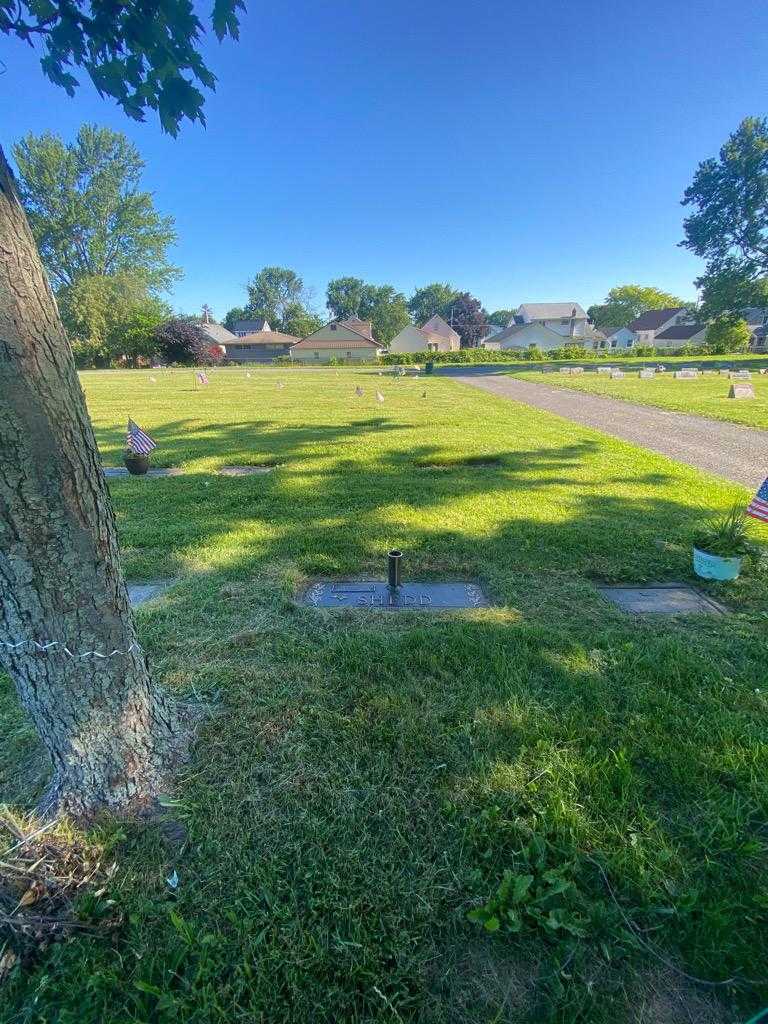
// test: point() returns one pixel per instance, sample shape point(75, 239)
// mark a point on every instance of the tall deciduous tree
point(110, 731)
point(108, 318)
point(501, 317)
point(272, 292)
point(627, 301)
point(729, 226)
point(429, 300)
point(468, 318)
point(385, 307)
point(87, 212)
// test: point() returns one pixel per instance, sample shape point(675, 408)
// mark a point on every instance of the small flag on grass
point(379, 397)
point(280, 384)
point(202, 378)
point(359, 391)
point(758, 507)
point(138, 442)
point(153, 379)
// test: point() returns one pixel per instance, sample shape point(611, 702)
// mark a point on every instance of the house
point(436, 325)
point(218, 334)
point(756, 319)
point(260, 347)
point(349, 341)
point(620, 337)
point(679, 335)
point(243, 327)
point(525, 336)
point(486, 341)
point(567, 319)
point(438, 337)
point(651, 323)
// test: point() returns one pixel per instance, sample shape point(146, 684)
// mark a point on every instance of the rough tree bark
point(110, 732)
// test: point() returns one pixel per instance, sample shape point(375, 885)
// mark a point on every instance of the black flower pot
point(137, 465)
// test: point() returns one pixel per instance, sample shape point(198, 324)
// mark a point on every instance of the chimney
point(572, 328)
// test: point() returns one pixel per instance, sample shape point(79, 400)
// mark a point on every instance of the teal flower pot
point(715, 567)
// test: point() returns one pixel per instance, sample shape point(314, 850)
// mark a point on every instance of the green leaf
point(492, 924)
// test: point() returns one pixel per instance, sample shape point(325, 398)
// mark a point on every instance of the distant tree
point(111, 317)
point(181, 341)
point(272, 292)
point(626, 302)
point(501, 317)
point(348, 297)
point(234, 314)
point(385, 307)
point(468, 318)
point(727, 334)
point(430, 300)
point(111, 733)
point(388, 312)
point(299, 321)
point(87, 212)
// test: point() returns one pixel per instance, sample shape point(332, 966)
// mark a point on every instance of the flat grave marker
point(243, 470)
point(121, 471)
point(140, 593)
point(741, 391)
point(662, 599)
point(375, 594)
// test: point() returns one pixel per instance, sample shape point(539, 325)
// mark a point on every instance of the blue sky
point(532, 151)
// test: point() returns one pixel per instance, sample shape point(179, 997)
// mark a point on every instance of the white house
point(679, 335)
point(524, 336)
point(436, 325)
point(437, 338)
point(650, 324)
point(567, 319)
point(621, 337)
point(350, 341)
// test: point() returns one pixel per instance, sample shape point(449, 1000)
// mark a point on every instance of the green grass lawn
point(365, 780)
point(705, 395)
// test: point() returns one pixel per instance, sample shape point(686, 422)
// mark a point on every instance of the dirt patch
point(263, 467)
point(668, 998)
point(487, 976)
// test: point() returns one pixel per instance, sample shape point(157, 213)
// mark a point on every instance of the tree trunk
point(111, 734)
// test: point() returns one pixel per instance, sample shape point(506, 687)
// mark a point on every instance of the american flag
point(379, 397)
point(202, 378)
point(139, 442)
point(758, 507)
point(359, 392)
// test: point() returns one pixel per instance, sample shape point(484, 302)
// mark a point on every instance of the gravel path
point(728, 450)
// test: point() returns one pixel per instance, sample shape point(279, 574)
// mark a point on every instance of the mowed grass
point(705, 395)
point(363, 780)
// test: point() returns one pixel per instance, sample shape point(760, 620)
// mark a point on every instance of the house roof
point(680, 332)
point(361, 341)
point(513, 329)
point(364, 327)
point(653, 319)
point(218, 333)
point(551, 310)
point(264, 338)
point(259, 323)
point(754, 314)
point(436, 325)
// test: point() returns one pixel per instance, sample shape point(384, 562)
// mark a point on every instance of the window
point(349, 355)
point(630, 342)
point(614, 343)
point(317, 354)
point(564, 320)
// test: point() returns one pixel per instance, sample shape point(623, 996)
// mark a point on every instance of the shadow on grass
point(369, 777)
